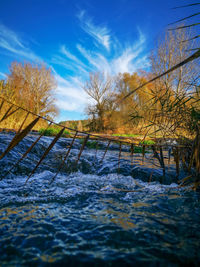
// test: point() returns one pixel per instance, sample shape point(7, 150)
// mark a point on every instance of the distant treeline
point(79, 125)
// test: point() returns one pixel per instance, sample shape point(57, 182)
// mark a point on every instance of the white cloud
point(70, 94)
point(10, 36)
point(130, 58)
point(91, 57)
point(100, 34)
point(3, 75)
point(11, 42)
point(121, 59)
point(71, 91)
point(70, 61)
point(70, 56)
point(67, 105)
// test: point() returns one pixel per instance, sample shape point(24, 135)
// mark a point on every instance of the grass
point(137, 149)
point(53, 132)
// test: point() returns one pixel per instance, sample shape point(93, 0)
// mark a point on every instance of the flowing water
point(96, 213)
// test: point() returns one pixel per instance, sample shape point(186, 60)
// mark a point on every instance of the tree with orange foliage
point(33, 87)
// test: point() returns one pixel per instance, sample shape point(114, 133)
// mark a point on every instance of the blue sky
point(76, 37)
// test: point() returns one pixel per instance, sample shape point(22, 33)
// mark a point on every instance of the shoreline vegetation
point(67, 134)
point(136, 138)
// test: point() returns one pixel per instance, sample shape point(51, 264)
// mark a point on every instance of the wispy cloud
point(69, 61)
point(91, 57)
point(130, 58)
point(121, 59)
point(3, 75)
point(11, 42)
point(100, 34)
point(70, 56)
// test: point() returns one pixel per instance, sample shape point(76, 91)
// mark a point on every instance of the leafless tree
point(33, 87)
point(99, 88)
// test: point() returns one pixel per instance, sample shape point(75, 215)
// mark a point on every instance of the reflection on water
point(102, 218)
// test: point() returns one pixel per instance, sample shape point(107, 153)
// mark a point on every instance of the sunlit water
point(97, 214)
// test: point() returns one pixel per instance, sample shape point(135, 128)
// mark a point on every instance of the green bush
point(89, 144)
point(138, 149)
point(53, 132)
point(147, 142)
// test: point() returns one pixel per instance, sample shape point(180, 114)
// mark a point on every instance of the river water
point(95, 214)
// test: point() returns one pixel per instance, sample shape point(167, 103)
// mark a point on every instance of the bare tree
point(174, 95)
point(99, 89)
point(170, 51)
point(33, 87)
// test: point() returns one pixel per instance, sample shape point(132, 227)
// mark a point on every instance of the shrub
point(53, 132)
point(147, 142)
point(89, 144)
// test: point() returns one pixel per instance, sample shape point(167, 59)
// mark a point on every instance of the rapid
point(98, 213)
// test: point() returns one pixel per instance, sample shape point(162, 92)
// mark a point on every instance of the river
point(96, 214)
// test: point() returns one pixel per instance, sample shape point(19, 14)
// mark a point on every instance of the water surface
point(98, 213)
